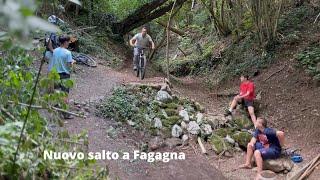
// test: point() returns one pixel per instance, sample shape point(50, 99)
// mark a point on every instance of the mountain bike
point(84, 59)
point(142, 62)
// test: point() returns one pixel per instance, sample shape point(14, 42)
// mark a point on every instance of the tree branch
point(49, 107)
point(142, 16)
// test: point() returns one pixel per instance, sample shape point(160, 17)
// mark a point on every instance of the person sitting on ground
point(246, 97)
point(266, 143)
point(140, 40)
point(62, 62)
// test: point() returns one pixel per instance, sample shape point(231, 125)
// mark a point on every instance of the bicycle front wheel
point(143, 68)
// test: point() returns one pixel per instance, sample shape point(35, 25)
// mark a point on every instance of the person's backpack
point(54, 40)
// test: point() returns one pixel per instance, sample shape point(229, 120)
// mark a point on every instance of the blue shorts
point(268, 153)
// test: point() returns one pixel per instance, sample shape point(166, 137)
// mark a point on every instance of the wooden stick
point(299, 173)
point(203, 149)
point(316, 18)
point(308, 172)
point(8, 114)
point(310, 168)
point(50, 107)
point(182, 51)
point(223, 94)
point(274, 73)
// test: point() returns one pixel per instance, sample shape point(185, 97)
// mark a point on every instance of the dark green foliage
point(310, 59)
point(294, 19)
point(242, 138)
point(131, 104)
point(219, 144)
point(171, 120)
point(171, 112)
point(122, 105)
point(16, 85)
point(223, 132)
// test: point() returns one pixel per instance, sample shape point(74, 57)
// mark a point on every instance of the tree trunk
point(175, 30)
point(144, 14)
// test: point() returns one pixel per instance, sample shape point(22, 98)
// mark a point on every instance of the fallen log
point(274, 73)
point(7, 113)
point(175, 30)
point(231, 94)
point(49, 107)
point(203, 149)
point(157, 86)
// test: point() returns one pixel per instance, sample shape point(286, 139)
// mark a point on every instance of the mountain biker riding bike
point(140, 41)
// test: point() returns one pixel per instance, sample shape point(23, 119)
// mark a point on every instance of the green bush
point(122, 105)
point(294, 19)
point(310, 59)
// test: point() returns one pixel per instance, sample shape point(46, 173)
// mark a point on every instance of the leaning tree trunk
point(144, 14)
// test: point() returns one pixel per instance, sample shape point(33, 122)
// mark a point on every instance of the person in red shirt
point(245, 97)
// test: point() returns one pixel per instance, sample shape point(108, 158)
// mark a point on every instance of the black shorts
point(60, 86)
point(246, 103)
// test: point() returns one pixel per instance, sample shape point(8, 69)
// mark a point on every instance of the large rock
point(176, 131)
point(157, 123)
point(155, 143)
point(199, 118)
point(230, 140)
point(173, 142)
point(218, 144)
point(278, 165)
point(206, 129)
point(184, 125)
point(185, 139)
point(242, 138)
point(184, 114)
point(193, 128)
point(163, 96)
point(216, 121)
point(199, 107)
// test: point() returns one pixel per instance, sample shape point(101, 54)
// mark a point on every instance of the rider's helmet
point(53, 19)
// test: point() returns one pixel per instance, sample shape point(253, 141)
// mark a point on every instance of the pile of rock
point(181, 118)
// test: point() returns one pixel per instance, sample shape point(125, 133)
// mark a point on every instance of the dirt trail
point(94, 83)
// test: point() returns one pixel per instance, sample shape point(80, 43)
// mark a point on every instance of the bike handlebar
point(143, 48)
